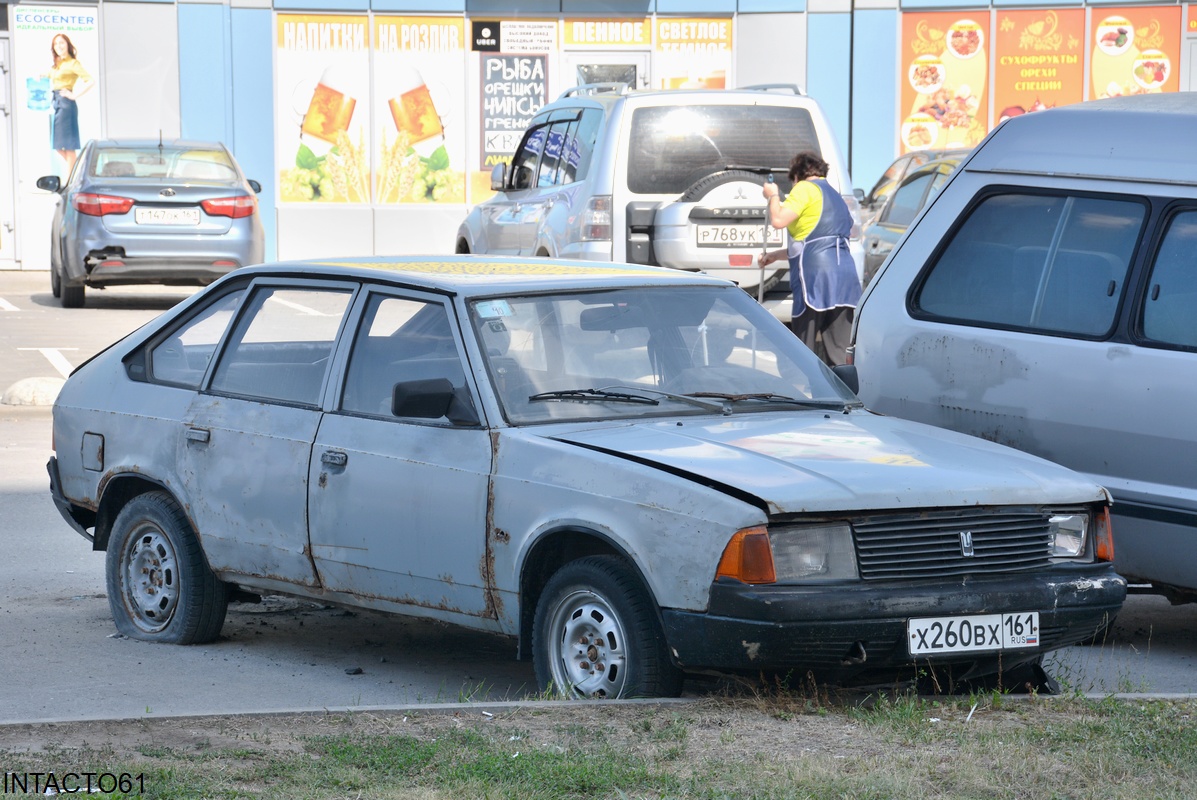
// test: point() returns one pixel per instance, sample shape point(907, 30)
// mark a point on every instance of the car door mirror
point(257, 187)
point(498, 178)
point(859, 194)
point(521, 178)
point(49, 183)
point(432, 398)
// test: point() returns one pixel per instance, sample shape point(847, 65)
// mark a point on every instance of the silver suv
point(669, 178)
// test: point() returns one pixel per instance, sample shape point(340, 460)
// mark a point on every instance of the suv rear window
point(673, 146)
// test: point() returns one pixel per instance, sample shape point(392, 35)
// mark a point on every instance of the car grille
point(932, 545)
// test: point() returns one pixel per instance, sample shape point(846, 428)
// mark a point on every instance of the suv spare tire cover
point(675, 232)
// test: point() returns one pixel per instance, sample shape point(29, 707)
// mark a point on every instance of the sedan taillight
point(235, 207)
point(97, 205)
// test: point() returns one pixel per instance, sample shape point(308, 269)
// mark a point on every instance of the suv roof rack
point(776, 87)
point(615, 87)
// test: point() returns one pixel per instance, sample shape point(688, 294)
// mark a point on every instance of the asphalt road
point(62, 659)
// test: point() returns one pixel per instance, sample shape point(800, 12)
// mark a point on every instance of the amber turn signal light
point(748, 557)
point(1104, 536)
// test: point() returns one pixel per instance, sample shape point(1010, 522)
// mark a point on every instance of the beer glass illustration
point(330, 110)
point(414, 111)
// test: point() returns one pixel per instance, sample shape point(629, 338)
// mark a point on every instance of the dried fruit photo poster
point(1135, 50)
point(946, 63)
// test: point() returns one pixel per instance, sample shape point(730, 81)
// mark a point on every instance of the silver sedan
point(145, 211)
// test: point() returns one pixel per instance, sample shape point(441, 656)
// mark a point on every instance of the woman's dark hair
point(805, 164)
point(70, 47)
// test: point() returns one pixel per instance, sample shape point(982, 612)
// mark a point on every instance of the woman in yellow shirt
point(69, 80)
point(822, 270)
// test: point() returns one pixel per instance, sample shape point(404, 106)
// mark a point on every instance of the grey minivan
point(1046, 298)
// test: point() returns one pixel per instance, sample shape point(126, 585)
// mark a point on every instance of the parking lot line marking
point(55, 357)
point(7, 306)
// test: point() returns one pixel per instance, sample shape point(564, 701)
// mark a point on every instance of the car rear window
point(163, 162)
point(673, 146)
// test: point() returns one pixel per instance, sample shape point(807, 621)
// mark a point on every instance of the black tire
point(160, 588)
point(597, 635)
point(72, 296)
point(700, 186)
point(55, 280)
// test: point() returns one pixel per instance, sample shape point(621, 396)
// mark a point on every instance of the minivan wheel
point(596, 635)
point(160, 588)
point(55, 281)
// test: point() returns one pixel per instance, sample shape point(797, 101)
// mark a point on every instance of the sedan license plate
point(166, 216)
point(735, 235)
point(934, 635)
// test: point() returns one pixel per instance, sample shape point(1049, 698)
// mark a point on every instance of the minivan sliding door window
point(1050, 263)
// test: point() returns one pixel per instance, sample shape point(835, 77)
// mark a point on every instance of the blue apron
point(825, 270)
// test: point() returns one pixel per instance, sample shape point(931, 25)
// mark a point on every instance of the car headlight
point(790, 554)
point(813, 553)
point(1070, 535)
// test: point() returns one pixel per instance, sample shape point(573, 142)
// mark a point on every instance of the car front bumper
point(860, 629)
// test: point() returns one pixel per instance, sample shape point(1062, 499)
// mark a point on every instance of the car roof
point(472, 275)
point(949, 159)
point(1134, 138)
point(186, 144)
point(610, 94)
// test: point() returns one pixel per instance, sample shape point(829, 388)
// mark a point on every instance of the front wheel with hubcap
point(597, 634)
point(160, 588)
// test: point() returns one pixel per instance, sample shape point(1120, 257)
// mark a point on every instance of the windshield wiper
point(689, 399)
point(772, 397)
point(584, 395)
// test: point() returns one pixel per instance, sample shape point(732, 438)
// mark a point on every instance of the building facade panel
point(884, 70)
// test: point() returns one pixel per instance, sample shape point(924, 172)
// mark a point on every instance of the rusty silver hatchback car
point(634, 472)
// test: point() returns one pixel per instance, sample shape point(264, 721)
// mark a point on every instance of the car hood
point(819, 461)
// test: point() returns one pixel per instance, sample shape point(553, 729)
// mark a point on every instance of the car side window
point(907, 200)
point(579, 148)
point(1053, 263)
point(524, 163)
point(182, 359)
point(1170, 305)
point(550, 160)
point(280, 348)
point(399, 339)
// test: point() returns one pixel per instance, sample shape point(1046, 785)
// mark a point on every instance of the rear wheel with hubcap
point(160, 588)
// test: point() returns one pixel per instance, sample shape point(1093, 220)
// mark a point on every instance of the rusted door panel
point(245, 466)
point(398, 512)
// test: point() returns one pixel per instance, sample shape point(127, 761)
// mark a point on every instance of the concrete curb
point(504, 707)
point(478, 709)
point(32, 392)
